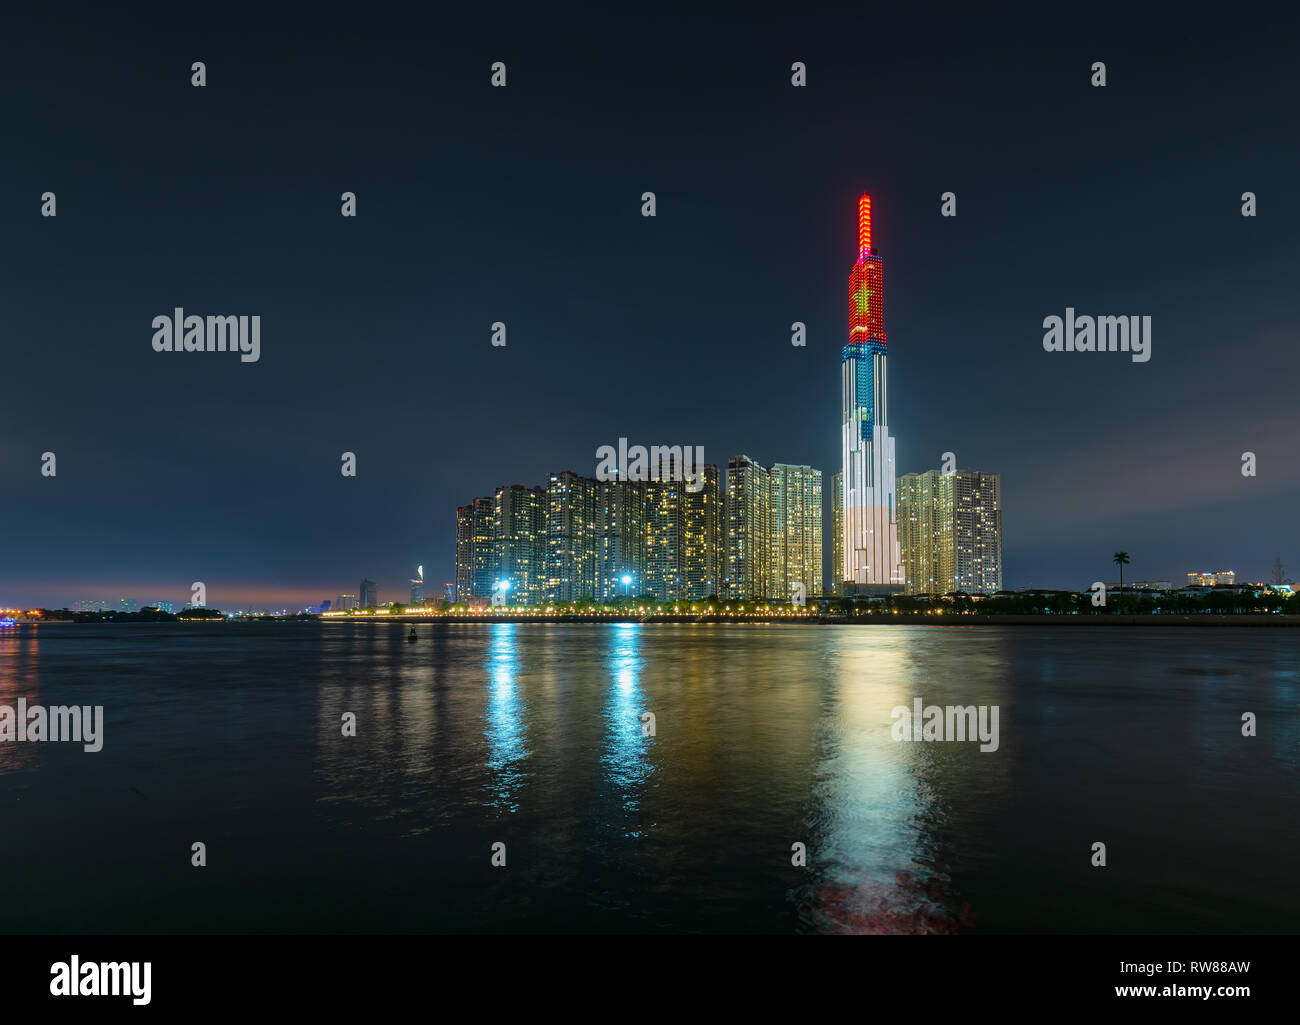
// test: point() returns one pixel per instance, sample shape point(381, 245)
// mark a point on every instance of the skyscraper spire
point(864, 225)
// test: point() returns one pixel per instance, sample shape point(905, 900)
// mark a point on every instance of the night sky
point(522, 205)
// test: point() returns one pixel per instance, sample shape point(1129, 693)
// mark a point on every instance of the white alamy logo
point(949, 722)
point(81, 724)
point(1098, 334)
point(658, 463)
point(179, 333)
point(71, 978)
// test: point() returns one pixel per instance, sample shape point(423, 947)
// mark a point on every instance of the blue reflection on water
point(506, 721)
point(624, 766)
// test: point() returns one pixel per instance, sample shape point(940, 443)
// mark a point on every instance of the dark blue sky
point(523, 205)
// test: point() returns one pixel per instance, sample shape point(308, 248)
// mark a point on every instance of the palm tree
point(1121, 560)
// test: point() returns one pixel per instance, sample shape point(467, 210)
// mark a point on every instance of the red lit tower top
point(866, 285)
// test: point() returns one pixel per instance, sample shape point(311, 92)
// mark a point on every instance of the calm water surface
point(530, 735)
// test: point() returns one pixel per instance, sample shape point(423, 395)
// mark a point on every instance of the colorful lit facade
point(870, 548)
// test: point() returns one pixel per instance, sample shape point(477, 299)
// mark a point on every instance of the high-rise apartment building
point(520, 529)
point(622, 538)
point(476, 550)
point(484, 557)
point(796, 530)
point(701, 554)
point(663, 537)
point(951, 530)
point(609, 539)
point(837, 533)
point(749, 530)
point(367, 595)
point(464, 554)
point(572, 536)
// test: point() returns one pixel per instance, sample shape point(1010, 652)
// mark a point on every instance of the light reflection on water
point(506, 721)
point(625, 768)
point(766, 736)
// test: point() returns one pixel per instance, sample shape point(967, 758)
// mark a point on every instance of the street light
point(626, 581)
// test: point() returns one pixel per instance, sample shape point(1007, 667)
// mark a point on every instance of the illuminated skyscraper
point(749, 530)
point(870, 548)
point(702, 557)
point(367, 595)
point(476, 550)
point(417, 587)
point(622, 538)
point(520, 521)
point(837, 532)
point(797, 551)
point(951, 528)
point(572, 535)
point(464, 553)
point(483, 531)
point(663, 533)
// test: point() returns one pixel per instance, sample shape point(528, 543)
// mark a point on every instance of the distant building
point(162, 606)
point(1214, 579)
point(325, 605)
point(950, 531)
point(417, 587)
point(128, 605)
point(346, 602)
point(368, 595)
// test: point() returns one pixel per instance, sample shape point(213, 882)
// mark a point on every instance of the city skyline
point(376, 331)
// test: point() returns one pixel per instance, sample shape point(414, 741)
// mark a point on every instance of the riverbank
point(901, 619)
